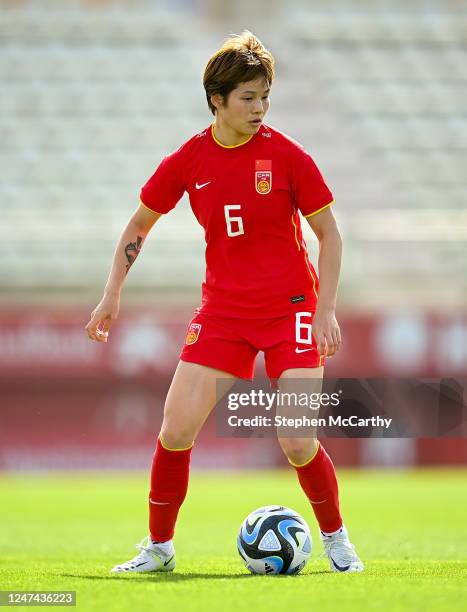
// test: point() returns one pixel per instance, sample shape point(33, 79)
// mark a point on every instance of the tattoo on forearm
point(132, 250)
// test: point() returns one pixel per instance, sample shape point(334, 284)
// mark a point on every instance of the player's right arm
point(127, 250)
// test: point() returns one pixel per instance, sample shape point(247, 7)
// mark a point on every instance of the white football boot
point(341, 553)
point(151, 558)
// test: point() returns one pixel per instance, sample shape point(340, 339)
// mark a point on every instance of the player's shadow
point(166, 577)
point(159, 577)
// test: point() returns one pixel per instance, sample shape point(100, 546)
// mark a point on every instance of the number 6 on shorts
point(301, 325)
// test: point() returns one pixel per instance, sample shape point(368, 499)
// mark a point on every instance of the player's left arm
point(325, 327)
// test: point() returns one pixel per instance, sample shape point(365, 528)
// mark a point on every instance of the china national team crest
point(263, 176)
point(192, 333)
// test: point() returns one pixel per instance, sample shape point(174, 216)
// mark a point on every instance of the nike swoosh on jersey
point(158, 503)
point(202, 185)
point(298, 350)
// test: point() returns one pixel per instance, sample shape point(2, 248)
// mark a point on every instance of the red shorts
point(231, 344)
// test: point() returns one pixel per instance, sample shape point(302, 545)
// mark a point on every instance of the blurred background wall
point(92, 96)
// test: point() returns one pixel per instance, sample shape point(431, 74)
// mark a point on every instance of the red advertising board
point(66, 402)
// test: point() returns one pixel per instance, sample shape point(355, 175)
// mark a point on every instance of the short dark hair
point(241, 58)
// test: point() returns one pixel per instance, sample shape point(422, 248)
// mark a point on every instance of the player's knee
point(298, 450)
point(176, 438)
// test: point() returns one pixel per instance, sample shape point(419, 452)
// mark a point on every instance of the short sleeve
point(165, 188)
point(310, 192)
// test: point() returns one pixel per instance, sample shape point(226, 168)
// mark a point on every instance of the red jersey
point(247, 199)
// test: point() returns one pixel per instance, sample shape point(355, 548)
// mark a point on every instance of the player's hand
point(326, 332)
point(102, 318)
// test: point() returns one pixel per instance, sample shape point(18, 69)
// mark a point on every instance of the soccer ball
point(274, 540)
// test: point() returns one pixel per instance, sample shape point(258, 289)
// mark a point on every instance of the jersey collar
point(228, 146)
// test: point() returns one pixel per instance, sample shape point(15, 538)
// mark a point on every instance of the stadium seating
point(96, 96)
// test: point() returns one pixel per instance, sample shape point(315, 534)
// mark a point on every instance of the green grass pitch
point(64, 532)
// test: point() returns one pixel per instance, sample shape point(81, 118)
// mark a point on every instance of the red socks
point(169, 483)
point(318, 481)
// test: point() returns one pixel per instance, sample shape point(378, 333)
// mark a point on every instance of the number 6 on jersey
point(230, 220)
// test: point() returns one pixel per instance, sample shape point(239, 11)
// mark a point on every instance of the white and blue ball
point(274, 540)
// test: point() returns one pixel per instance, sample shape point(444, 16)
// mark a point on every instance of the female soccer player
point(247, 183)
